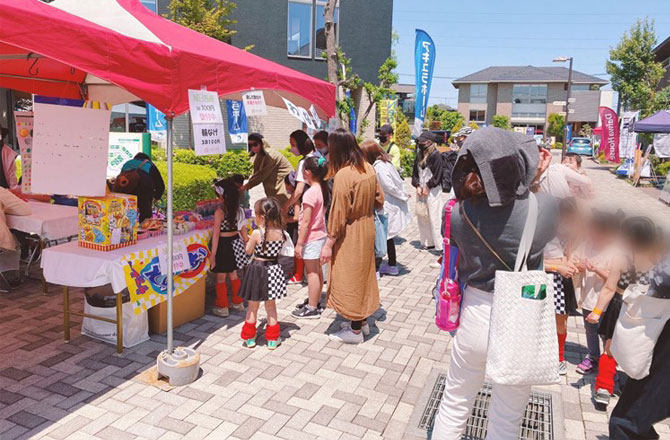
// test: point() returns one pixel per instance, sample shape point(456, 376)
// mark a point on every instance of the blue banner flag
point(155, 119)
point(238, 127)
point(424, 53)
point(353, 122)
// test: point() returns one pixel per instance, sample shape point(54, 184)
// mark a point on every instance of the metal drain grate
point(537, 422)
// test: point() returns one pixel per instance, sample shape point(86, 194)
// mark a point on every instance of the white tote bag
point(523, 348)
point(640, 323)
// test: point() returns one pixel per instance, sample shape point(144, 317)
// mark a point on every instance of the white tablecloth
point(74, 266)
point(50, 222)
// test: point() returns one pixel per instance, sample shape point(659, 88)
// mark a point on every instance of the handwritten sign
point(254, 103)
point(24, 132)
point(70, 150)
point(209, 139)
point(208, 132)
point(205, 107)
point(180, 261)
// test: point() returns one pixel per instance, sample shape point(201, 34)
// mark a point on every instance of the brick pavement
point(308, 388)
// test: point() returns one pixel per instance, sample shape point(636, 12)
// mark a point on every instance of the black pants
point(645, 402)
point(390, 244)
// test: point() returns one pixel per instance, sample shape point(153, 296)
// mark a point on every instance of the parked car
point(581, 146)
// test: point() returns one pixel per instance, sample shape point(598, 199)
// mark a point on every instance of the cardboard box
point(107, 223)
point(186, 307)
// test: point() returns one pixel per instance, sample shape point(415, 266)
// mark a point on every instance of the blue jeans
point(592, 337)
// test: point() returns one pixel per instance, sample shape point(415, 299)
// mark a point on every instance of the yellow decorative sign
point(147, 284)
point(388, 112)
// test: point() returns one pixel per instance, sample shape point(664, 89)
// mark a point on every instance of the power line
point(517, 47)
point(512, 13)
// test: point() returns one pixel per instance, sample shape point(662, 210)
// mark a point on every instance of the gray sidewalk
point(308, 388)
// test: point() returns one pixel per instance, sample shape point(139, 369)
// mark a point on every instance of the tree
point(450, 120)
point(501, 121)
point(586, 130)
point(383, 90)
point(403, 134)
point(633, 68)
point(661, 100)
point(556, 125)
point(208, 17)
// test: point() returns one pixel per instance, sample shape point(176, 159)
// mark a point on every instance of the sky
point(470, 36)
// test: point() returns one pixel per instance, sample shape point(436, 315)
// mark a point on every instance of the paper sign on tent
point(208, 129)
point(254, 103)
point(70, 150)
point(299, 113)
point(315, 116)
point(306, 118)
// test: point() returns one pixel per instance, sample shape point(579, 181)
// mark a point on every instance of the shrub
point(500, 121)
point(406, 162)
point(403, 135)
point(225, 165)
point(192, 183)
point(662, 169)
point(158, 154)
point(292, 158)
point(557, 146)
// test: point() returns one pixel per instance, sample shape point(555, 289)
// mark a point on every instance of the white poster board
point(208, 131)
point(254, 103)
point(662, 145)
point(180, 261)
point(122, 148)
point(70, 150)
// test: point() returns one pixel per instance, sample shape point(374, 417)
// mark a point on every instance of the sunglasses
point(253, 144)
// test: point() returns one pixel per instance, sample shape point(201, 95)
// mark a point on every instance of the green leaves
point(208, 17)
point(635, 74)
point(192, 183)
point(556, 125)
point(501, 121)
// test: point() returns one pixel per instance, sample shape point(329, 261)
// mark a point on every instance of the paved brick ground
point(308, 388)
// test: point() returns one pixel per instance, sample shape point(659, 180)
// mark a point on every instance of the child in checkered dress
point(229, 234)
point(264, 279)
point(641, 242)
point(559, 262)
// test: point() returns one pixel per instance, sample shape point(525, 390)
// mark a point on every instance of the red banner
point(609, 138)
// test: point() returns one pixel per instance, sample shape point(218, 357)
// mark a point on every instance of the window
point(577, 87)
point(528, 115)
point(529, 94)
point(150, 4)
point(320, 29)
point(665, 63)
point(300, 28)
point(478, 93)
point(478, 116)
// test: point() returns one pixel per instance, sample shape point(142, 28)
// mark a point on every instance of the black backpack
point(448, 161)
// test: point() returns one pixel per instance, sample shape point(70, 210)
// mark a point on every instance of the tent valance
point(656, 123)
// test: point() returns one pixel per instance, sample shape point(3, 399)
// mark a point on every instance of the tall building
point(291, 33)
point(527, 95)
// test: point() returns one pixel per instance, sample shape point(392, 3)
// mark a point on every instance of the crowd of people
point(329, 209)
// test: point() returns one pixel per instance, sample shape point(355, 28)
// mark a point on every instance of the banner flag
point(610, 134)
point(627, 136)
point(156, 124)
point(424, 54)
point(388, 112)
point(238, 125)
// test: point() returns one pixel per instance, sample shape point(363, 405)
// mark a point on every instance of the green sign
point(123, 147)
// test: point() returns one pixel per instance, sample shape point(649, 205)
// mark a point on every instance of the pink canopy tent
point(117, 51)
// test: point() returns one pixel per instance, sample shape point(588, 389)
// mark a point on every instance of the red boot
point(298, 271)
point(249, 334)
point(272, 336)
point(237, 301)
point(221, 304)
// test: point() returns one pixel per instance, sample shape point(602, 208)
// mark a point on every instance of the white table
point(47, 221)
point(69, 265)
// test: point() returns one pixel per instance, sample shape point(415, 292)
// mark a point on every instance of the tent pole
point(170, 280)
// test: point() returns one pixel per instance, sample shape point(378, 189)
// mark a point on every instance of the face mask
point(422, 146)
point(323, 151)
point(383, 139)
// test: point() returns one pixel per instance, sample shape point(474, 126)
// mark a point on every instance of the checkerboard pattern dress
point(264, 278)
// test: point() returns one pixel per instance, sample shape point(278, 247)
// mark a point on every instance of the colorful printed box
point(108, 223)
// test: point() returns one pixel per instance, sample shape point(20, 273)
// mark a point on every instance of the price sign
point(209, 139)
point(254, 103)
point(180, 261)
point(205, 107)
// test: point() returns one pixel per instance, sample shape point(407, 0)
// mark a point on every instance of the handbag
point(641, 321)
point(447, 291)
point(421, 207)
point(286, 256)
point(381, 234)
point(523, 348)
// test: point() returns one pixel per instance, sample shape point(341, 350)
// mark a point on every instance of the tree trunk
point(331, 45)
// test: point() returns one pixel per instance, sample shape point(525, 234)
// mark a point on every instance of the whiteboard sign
point(209, 139)
point(254, 103)
point(180, 261)
point(70, 150)
point(205, 107)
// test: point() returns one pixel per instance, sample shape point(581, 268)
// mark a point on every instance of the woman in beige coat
point(350, 247)
point(270, 169)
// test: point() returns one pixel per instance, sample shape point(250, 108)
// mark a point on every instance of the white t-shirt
point(590, 284)
point(299, 174)
point(557, 179)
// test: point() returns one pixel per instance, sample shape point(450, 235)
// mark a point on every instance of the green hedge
point(192, 183)
point(406, 162)
point(292, 158)
point(225, 165)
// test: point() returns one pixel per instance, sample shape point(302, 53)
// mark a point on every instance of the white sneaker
point(347, 336)
point(239, 307)
point(562, 368)
point(435, 265)
point(220, 311)
point(602, 396)
point(385, 269)
point(365, 328)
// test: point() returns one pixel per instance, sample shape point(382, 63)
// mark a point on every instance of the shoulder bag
point(523, 348)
